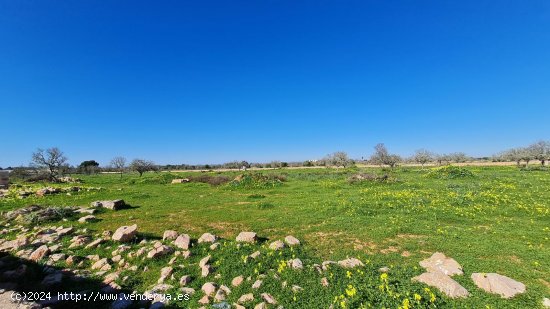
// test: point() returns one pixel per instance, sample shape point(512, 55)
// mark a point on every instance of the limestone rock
point(443, 283)
point(350, 263)
point(207, 237)
point(113, 204)
point(498, 284)
point(209, 288)
point(165, 272)
point(169, 235)
point(439, 262)
point(245, 298)
point(125, 233)
point(39, 253)
point(268, 298)
point(159, 251)
point(237, 281)
point(295, 264)
point(185, 280)
point(292, 241)
point(249, 237)
point(183, 241)
point(277, 245)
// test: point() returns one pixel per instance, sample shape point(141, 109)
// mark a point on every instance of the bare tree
point(458, 157)
point(119, 163)
point(142, 166)
point(338, 158)
point(423, 156)
point(381, 156)
point(51, 159)
point(540, 151)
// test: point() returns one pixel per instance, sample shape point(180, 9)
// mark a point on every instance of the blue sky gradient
point(216, 81)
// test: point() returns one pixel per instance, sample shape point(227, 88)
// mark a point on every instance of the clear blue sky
point(215, 81)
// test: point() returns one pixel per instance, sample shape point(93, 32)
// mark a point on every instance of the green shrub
point(449, 172)
point(257, 181)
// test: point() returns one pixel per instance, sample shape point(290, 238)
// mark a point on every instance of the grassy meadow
point(496, 219)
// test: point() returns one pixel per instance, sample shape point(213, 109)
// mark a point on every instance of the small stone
point(94, 243)
point(185, 280)
point(245, 298)
point(324, 281)
point(159, 251)
point(546, 302)
point(189, 291)
point(204, 261)
point(87, 219)
point(257, 284)
point(39, 253)
point(350, 263)
point(384, 269)
point(102, 264)
point(249, 237)
point(182, 241)
point(125, 233)
point(292, 241)
point(277, 245)
point(169, 235)
point(296, 288)
point(261, 305)
point(237, 281)
point(498, 284)
point(295, 264)
point(165, 273)
point(207, 237)
point(255, 254)
point(269, 299)
point(206, 270)
point(214, 246)
point(209, 288)
point(220, 295)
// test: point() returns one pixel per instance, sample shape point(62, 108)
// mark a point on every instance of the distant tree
point(337, 159)
point(423, 156)
point(119, 163)
point(142, 166)
point(381, 156)
point(284, 164)
point(540, 151)
point(458, 157)
point(308, 163)
point(51, 159)
point(274, 164)
point(88, 167)
point(526, 155)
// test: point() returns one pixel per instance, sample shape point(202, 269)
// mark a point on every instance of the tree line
point(51, 163)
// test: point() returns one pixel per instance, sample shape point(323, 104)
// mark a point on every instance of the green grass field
point(497, 220)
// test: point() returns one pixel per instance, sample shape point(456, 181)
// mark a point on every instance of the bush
point(449, 172)
point(368, 177)
point(257, 181)
point(210, 179)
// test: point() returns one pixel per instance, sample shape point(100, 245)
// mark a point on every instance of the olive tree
point(423, 156)
point(142, 166)
point(51, 159)
point(119, 163)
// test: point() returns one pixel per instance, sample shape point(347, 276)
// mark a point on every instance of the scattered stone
point(207, 237)
point(204, 300)
point(245, 298)
point(159, 251)
point(189, 291)
point(220, 296)
point(296, 288)
point(102, 264)
point(169, 235)
point(249, 237)
point(292, 241)
point(384, 269)
point(214, 246)
point(87, 219)
point(204, 261)
point(58, 257)
point(277, 245)
point(125, 233)
point(269, 299)
point(295, 264)
point(546, 302)
point(255, 254)
point(113, 205)
point(209, 288)
point(439, 262)
point(165, 273)
point(185, 280)
point(324, 281)
point(350, 263)
point(498, 284)
point(39, 253)
point(443, 283)
point(206, 270)
point(95, 243)
point(261, 305)
point(182, 241)
point(111, 277)
point(237, 281)
point(257, 284)
point(178, 180)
